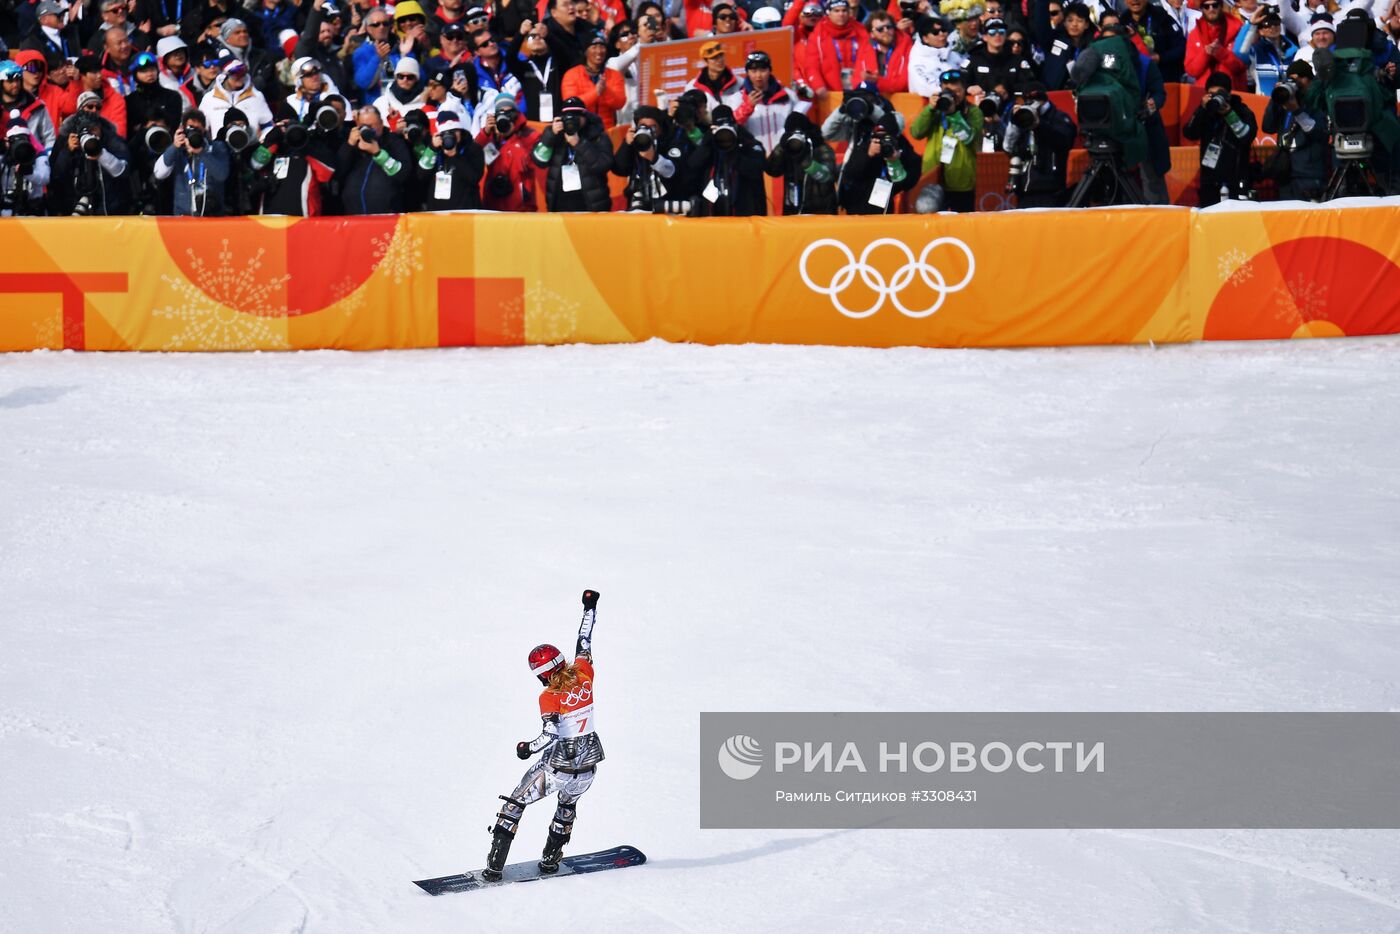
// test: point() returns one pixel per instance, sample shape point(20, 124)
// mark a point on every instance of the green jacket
point(1352, 78)
point(964, 126)
point(1111, 67)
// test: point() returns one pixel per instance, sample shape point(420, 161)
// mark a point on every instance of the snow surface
point(266, 616)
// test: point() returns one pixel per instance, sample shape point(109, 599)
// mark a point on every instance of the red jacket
point(1199, 65)
point(514, 165)
point(61, 103)
point(831, 50)
point(605, 103)
point(895, 80)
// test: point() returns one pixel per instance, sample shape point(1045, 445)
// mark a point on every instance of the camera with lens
point(857, 108)
point(886, 142)
point(450, 138)
point(297, 136)
point(194, 135)
point(1351, 122)
point(642, 140)
point(82, 207)
point(505, 122)
point(19, 151)
point(157, 139)
point(991, 104)
point(797, 144)
point(686, 114)
point(367, 133)
point(326, 119)
point(1025, 116)
point(572, 124)
point(909, 9)
point(1285, 92)
point(413, 133)
point(946, 102)
point(1218, 101)
point(500, 186)
point(238, 137)
point(90, 143)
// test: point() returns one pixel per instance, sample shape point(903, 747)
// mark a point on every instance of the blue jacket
point(1262, 58)
point(369, 72)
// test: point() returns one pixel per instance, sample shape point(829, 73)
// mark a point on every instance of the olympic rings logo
point(875, 280)
point(582, 694)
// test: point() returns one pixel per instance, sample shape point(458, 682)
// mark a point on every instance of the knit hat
point(230, 26)
point(288, 39)
point(408, 66)
point(89, 97)
point(445, 117)
point(506, 102)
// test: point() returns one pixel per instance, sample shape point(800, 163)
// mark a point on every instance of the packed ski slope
point(265, 620)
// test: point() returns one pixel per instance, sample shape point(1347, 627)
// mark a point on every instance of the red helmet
point(545, 660)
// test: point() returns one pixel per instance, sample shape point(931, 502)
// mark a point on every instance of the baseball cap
point(599, 39)
point(440, 75)
point(48, 7)
point(711, 50)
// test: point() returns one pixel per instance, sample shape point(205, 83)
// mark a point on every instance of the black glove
point(522, 751)
point(590, 599)
point(272, 137)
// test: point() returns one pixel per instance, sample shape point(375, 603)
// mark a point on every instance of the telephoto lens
point(643, 140)
point(571, 125)
point(946, 102)
point(327, 118)
point(238, 137)
point(449, 139)
point(195, 136)
point(298, 136)
point(157, 139)
point(368, 134)
point(90, 143)
point(990, 105)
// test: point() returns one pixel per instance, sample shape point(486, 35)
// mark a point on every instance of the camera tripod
point(1107, 165)
point(1353, 176)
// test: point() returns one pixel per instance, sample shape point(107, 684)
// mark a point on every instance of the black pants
point(964, 202)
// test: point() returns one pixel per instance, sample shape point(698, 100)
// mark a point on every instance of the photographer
point(576, 155)
point(450, 168)
point(24, 170)
point(953, 129)
point(199, 165)
point(373, 166)
point(507, 142)
point(1264, 49)
point(1039, 137)
point(241, 139)
point(879, 165)
point(1226, 129)
point(728, 166)
point(294, 165)
point(89, 164)
point(1297, 116)
point(147, 142)
point(807, 166)
point(652, 182)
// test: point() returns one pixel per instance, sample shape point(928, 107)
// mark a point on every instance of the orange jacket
point(605, 103)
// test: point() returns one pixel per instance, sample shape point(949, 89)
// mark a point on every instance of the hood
point(25, 56)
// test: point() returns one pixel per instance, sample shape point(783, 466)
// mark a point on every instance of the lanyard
point(189, 173)
point(548, 65)
point(855, 47)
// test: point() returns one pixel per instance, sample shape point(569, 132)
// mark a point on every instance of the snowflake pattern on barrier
point(1300, 301)
point(552, 317)
point(48, 332)
point(1234, 267)
point(348, 294)
point(399, 254)
point(208, 325)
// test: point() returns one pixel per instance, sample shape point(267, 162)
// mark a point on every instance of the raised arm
point(584, 648)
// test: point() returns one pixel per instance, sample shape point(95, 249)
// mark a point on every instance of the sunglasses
point(310, 70)
point(1211, 6)
point(403, 76)
point(1056, 11)
point(729, 16)
point(486, 45)
point(625, 35)
point(476, 21)
point(381, 24)
point(1016, 41)
point(883, 27)
point(936, 31)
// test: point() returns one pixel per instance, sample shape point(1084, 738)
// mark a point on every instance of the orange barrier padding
point(436, 280)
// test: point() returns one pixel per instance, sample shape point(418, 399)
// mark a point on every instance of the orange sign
point(670, 66)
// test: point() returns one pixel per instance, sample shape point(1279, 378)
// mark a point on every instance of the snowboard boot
point(501, 839)
point(553, 852)
point(559, 831)
point(502, 836)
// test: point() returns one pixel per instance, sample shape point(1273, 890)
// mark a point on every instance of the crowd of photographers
point(301, 107)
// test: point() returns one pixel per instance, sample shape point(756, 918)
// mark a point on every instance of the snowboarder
point(569, 742)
